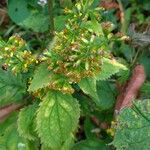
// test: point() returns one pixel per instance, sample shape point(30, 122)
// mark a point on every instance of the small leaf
point(109, 68)
point(133, 127)
point(88, 86)
point(26, 125)
point(90, 144)
point(60, 22)
point(41, 78)
point(57, 119)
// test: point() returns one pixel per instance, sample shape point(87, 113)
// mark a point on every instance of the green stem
point(51, 17)
point(123, 22)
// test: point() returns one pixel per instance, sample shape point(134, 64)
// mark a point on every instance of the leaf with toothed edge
point(133, 127)
point(88, 86)
point(57, 119)
point(109, 68)
point(10, 139)
point(26, 124)
point(41, 78)
point(12, 87)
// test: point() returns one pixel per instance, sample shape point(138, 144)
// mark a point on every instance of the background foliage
point(65, 62)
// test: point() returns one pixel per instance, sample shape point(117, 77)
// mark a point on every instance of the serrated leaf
point(57, 119)
point(88, 86)
point(26, 124)
point(133, 129)
point(12, 88)
point(10, 139)
point(66, 146)
point(90, 144)
point(8, 122)
point(109, 68)
point(41, 78)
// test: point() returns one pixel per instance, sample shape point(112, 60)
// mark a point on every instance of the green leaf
point(37, 21)
point(10, 139)
point(29, 16)
point(106, 95)
point(89, 127)
point(109, 68)
point(94, 26)
point(66, 146)
point(145, 90)
point(8, 122)
point(12, 88)
point(88, 86)
point(26, 124)
point(18, 10)
point(60, 22)
point(57, 119)
point(101, 92)
point(145, 61)
point(41, 78)
point(133, 129)
point(90, 144)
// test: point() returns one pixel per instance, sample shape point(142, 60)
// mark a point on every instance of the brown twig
point(7, 110)
point(130, 90)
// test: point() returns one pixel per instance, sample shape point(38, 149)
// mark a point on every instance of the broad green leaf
point(133, 129)
point(41, 78)
point(26, 124)
point(10, 139)
point(18, 10)
point(57, 119)
point(28, 15)
point(109, 68)
point(88, 86)
point(106, 95)
point(90, 144)
point(12, 88)
point(36, 21)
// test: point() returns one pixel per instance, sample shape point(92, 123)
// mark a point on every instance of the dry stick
point(7, 110)
point(130, 90)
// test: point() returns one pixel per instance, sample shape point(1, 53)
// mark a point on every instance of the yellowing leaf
point(57, 119)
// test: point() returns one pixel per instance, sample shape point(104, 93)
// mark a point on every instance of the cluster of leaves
point(70, 81)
